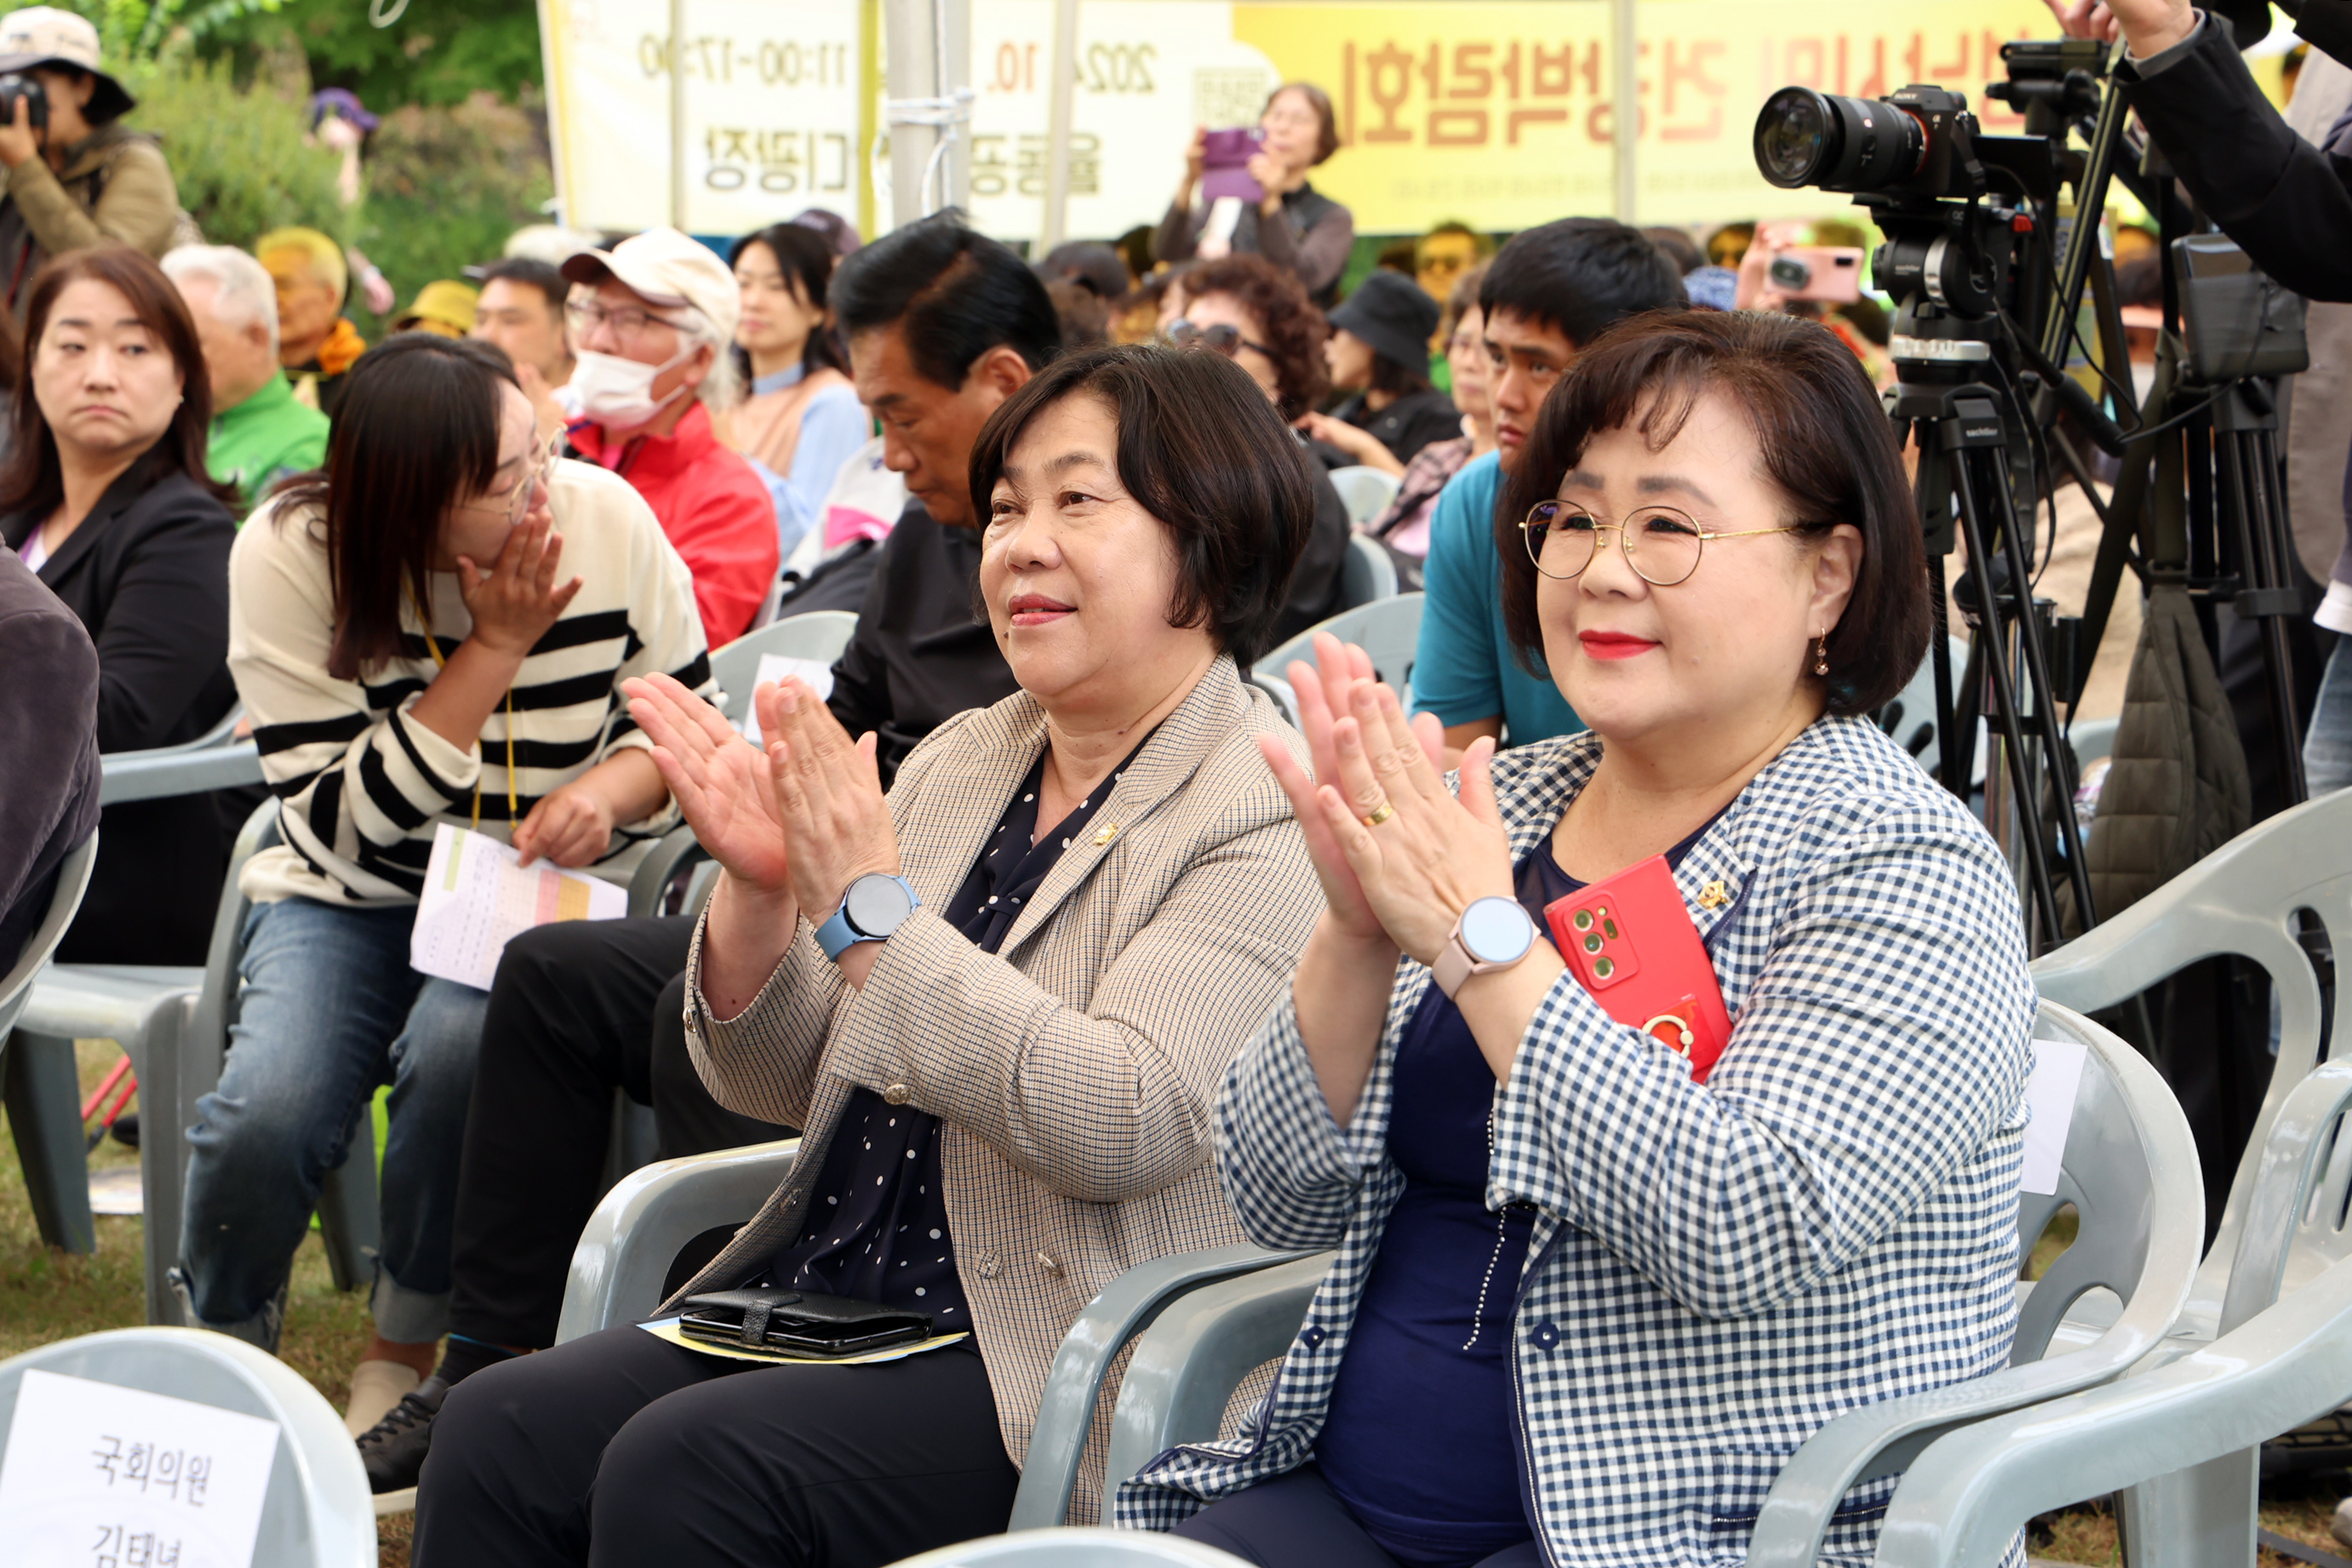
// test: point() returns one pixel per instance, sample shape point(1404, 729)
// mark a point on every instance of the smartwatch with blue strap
point(876, 905)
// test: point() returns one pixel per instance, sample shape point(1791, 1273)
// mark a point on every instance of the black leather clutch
point(798, 1325)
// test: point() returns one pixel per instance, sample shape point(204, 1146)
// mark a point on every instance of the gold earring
point(1822, 653)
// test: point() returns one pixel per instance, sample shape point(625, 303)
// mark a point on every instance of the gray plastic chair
point(2198, 1423)
point(316, 1513)
point(1389, 629)
point(192, 769)
point(1366, 573)
point(819, 636)
point(2130, 1172)
point(1076, 1549)
point(39, 1081)
point(1365, 492)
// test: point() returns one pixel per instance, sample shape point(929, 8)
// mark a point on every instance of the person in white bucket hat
point(75, 175)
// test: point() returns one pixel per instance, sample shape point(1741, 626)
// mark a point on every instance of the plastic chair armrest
point(134, 775)
point(2293, 1156)
point(1067, 1412)
point(677, 848)
point(630, 1242)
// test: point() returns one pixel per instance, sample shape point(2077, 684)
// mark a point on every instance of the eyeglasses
point(517, 502)
point(1219, 339)
point(627, 321)
point(1561, 539)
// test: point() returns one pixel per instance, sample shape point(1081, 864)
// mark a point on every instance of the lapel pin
point(1104, 835)
point(1715, 895)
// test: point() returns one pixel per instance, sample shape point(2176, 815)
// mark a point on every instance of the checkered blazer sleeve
point(1884, 1040)
point(762, 1062)
point(1108, 1101)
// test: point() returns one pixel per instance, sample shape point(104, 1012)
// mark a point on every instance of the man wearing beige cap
point(76, 175)
point(653, 323)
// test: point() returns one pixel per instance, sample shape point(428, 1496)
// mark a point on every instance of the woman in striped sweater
point(418, 642)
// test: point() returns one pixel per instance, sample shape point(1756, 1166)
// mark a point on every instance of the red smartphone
point(1630, 941)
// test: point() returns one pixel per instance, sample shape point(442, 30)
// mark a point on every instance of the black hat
point(1393, 313)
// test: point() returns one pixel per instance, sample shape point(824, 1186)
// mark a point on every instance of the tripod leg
point(1952, 763)
point(2266, 521)
point(2037, 860)
point(2059, 757)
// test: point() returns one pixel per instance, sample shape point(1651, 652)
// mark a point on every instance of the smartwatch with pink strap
point(1493, 933)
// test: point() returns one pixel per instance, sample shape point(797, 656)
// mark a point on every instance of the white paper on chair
point(478, 896)
point(98, 1475)
point(817, 678)
point(2050, 1098)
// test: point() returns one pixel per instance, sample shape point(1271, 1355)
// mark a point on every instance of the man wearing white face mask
point(651, 320)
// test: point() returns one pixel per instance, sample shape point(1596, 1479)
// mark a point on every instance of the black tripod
point(1963, 447)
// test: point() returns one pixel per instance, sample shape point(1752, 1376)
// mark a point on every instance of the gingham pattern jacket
point(1716, 1270)
point(1073, 1070)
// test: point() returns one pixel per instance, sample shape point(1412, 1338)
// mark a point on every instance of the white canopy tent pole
point(1625, 94)
point(927, 104)
point(1056, 225)
point(677, 116)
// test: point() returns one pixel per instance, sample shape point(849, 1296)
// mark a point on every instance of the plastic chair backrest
point(317, 1510)
point(1910, 716)
point(1076, 1549)
point(2239, 901)
point(73, 880)
point(1367, 573)
point(818, 635)
point(1365, 492)
point(1388, 629)
point(2130, 1172)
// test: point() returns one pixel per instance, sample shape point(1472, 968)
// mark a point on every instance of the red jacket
point(716, 512)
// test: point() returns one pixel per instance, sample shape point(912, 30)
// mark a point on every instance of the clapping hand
point(721, 781)
point(828, 795)
point(518, 599)
point(2149, 26)
point(1398, 855)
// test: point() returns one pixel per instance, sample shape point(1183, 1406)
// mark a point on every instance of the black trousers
point(1296, 1521)
point(579, 1009)
point(621, 1448)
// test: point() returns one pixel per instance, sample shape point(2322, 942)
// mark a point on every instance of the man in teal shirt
point(259, 433)
point(1549, 291)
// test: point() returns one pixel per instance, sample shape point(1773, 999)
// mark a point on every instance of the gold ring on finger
point(1386, 811)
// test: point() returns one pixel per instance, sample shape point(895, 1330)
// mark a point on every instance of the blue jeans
point(2327, 740)
point(329, 1010)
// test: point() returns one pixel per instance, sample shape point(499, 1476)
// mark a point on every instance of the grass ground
point(47, 1295)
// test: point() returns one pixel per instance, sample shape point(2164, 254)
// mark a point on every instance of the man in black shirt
point(943, 325)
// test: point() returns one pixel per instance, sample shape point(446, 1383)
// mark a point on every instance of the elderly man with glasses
point(651, 322)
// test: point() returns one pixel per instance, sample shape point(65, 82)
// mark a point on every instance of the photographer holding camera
point(77, 176)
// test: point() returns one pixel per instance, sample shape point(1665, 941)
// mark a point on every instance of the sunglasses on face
point(1219, 339)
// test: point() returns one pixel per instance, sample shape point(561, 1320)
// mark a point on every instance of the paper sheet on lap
point(817, 678)
point(97, 1473)
point(2050, 1096)
point(667, 1328)
point(478, 896)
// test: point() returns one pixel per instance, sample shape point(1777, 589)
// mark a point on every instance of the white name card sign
point(98, 1475)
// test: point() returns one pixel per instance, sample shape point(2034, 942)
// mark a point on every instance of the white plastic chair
point(42, 1088)
point(316, 1513)
point(2197, 1424)
point(2129, 1168)
point(1387, 628)
point(818, 635)
point(1366, 573)
point(1076, 1549)
point(1365, 492)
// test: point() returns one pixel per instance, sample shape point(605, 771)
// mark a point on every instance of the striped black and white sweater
point(361, 783)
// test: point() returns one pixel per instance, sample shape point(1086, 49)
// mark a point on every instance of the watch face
point(1497, 931)
point(877, 905)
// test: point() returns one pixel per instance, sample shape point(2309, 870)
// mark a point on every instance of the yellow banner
point(1502, 114)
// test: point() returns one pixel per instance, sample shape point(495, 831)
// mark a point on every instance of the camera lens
point(1807, 138)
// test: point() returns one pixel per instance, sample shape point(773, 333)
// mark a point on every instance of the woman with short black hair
point(418, 646)
point(1586, 1305)
point(1378, 352)
point(998, 1000)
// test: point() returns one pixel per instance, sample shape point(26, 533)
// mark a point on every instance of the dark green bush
point(238, 152)
point(446, 187)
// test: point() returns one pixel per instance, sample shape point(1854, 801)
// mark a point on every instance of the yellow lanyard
point(433, 648)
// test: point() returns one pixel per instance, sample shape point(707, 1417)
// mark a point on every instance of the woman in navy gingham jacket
point(1584, 1308)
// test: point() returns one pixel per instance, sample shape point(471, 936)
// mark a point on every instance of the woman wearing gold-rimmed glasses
point(433, 628)
point(1584, 1307)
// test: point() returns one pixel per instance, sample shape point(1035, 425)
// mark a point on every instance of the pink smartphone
point(1630, 941)
point(1831, 273)
point(1224, 156)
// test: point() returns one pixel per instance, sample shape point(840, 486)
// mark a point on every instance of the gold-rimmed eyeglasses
point(541, 470)
point(1662, 545)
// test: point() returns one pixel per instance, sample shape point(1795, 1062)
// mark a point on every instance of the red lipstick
point(1613, 645)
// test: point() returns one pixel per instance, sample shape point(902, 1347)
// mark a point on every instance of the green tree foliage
point(238, 152)
point(446, 187)
point(435, 52)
